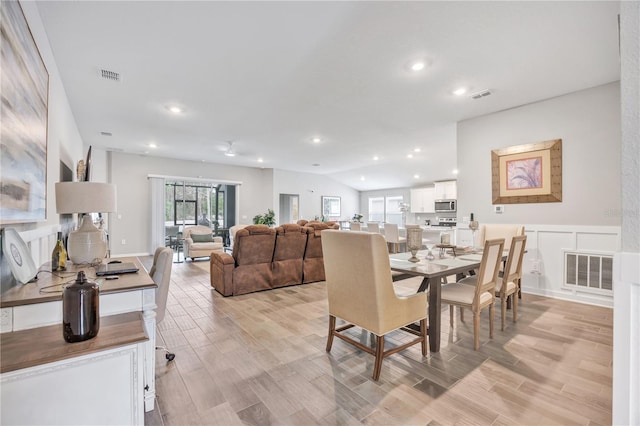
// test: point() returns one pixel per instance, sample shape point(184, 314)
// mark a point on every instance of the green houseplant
point(269, 218)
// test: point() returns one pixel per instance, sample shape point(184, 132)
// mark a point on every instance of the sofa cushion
point(202, 238)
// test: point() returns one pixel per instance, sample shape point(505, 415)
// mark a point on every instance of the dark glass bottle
point(80, 310)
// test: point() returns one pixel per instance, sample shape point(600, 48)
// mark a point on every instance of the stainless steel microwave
point(446, 206)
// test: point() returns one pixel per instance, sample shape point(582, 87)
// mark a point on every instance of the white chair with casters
point(361, 292)
point(161, 274)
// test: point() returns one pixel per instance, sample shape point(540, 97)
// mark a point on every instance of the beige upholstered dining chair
point(498, 230)
point(361, 292)
point(481, 295)
point(355, 226)
point(392, 236)
point(509, 283)
point(161, 275)
point(373, 227)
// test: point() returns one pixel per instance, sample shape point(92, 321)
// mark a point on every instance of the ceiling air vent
point(480, 94)
point(106, 133)
point(109, 75)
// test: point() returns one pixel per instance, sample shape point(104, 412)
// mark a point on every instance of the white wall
point(588, 122)
point(63, 143)
point(626, 314)
point(129, 173)
point(310, 187)
point(63, 139)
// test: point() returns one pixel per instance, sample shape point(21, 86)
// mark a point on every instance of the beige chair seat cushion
point(461, 293)
point(511, 286)
point(206, 246)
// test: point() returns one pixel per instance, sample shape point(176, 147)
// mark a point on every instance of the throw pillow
point(202, 238)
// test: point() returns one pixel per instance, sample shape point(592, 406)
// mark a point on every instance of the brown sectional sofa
point(265, 258)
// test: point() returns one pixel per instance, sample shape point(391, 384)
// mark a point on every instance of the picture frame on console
point(530, 173)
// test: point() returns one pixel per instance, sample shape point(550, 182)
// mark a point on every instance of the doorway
point(289, 208)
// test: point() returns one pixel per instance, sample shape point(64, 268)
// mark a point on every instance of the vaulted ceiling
point(272, 76)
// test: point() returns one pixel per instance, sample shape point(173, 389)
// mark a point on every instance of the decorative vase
point(414, 241)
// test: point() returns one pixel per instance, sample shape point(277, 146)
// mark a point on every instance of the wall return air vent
point(109, 75)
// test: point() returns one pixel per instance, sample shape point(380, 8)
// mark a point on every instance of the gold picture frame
point(530, 173)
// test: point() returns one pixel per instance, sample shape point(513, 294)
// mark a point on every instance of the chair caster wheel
point(170, 356)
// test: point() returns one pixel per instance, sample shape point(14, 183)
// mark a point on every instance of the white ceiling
point(270, 76)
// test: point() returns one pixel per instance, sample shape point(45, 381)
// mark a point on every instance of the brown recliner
point(248, 269)
point(291, 241)
point(313, 265)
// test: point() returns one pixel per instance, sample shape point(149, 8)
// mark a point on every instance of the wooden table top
point(48, 287)
point(42, 345)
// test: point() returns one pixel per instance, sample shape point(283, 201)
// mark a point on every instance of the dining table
point(433, 273)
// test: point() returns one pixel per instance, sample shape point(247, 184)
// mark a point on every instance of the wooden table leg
point(434, 312)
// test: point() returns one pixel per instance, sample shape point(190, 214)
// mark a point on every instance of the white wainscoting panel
point(544, 262)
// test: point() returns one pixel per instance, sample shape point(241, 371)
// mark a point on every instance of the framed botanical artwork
point(23, 121)
point(330, 207)
point(530, 173)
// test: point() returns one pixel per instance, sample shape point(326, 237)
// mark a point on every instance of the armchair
point(248, 268)
point(361, 292)
point(291, 241)
point(200, 242)
point(313, 265)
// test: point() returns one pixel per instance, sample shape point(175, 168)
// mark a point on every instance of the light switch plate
point(498, 208)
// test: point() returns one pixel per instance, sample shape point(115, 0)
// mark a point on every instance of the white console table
point(34, 307)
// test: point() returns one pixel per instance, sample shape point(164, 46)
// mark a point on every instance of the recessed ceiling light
point(361, 177)
point(416, 150)
point(410, 156)
point(376, 158)
point(260, 160)
point(316, 140)
point(460, 91)
point(417, 66)
point(416, 176)
point(152, 145)
point(455, 171)
point(175, 109)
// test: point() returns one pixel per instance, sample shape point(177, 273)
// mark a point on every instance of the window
point(386, 209)
point(191, 203)
point(376, 209)
point(393, 212)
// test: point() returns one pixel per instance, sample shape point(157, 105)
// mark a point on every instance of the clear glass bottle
point(59, 256)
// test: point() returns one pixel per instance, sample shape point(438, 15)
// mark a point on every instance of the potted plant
point(356, 217)
point(269, 218)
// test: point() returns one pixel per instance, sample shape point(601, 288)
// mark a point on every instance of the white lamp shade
point(85, 197)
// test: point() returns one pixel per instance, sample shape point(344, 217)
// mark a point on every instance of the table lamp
point(86, 244)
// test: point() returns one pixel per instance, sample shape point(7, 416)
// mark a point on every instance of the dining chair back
point(373, 227)
point(481, 295)
point(355, 226)
point(392, 235)
point(361, 292)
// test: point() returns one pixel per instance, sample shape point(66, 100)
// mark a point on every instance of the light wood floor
point(259, 359)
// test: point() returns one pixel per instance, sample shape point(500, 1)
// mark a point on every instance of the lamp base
point(87, 244)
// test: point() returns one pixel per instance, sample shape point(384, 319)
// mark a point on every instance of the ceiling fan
point(230, 152)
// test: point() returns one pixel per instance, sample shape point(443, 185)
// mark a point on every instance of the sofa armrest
point(221, 266)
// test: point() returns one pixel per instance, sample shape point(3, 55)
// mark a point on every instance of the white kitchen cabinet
point(446, 190)
point(422, 200)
